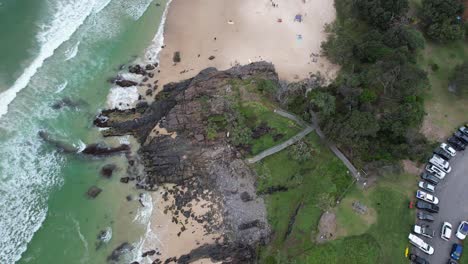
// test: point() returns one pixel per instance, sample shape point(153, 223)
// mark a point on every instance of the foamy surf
point(61, 86)
point(69, 16)
point(152, 52)
point(72, 52)
point(122, 98)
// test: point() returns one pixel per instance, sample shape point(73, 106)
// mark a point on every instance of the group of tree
point(442, 19)
point(374, 108)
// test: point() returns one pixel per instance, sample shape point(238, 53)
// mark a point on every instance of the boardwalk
point(309, 128)
point(281, 146)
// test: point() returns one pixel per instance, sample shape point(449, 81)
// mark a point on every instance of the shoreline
point(292, 46)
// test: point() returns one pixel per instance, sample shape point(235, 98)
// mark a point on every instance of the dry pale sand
point(245, 31)
point(167, 236)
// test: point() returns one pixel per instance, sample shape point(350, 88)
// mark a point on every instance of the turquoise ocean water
point(50, 50)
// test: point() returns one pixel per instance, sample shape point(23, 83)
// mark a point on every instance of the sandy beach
point(221, 34)
point(244, 31)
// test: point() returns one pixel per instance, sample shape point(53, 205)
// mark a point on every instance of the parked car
point(460, 135)
point(427, 206)
point(440, 163)
point(421, 244)
point(447, 148)
point(456, 143)
point(464, 130)
point(443, 154)
point(446, 232)
point(462, 230)
point(456, 251)
point(427, 186)
point(430, 178)
point(424, 230)
point(422, 195)
point(425, 216)
point(451, 261)
point(417, 259)
point(436, 171)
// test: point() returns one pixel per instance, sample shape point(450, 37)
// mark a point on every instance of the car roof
point(464, 226)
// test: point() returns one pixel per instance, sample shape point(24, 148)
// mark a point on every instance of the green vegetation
point(251, 121)
point(379, 93)
point(442, 20)
point(377, 237)
point(445, 109)
point(459, 79)
point(312, 185)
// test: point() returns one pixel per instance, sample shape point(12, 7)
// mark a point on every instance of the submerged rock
point(123, 248)
point(62, 146)
point(107, 170)
point(100, 150)
point(93, 192)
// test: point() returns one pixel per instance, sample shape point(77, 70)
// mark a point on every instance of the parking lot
point(453, 195)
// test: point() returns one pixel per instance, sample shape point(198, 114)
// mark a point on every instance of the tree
point(459, 80)
point(442, 19)
point(323, 102)
point(381, 13)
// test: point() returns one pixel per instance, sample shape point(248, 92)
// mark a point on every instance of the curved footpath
point(309, 128)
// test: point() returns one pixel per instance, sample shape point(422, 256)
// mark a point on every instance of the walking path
point(281, 146)
point(309, 128)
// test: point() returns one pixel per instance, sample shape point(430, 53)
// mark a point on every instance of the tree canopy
point(442, 19)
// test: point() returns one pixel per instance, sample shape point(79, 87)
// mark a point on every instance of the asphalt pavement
point(453, 202)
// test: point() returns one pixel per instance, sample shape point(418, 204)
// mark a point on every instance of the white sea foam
point(85, 257)
point(100, 5)
point(26, 177)
point(136, 9)
point(81, 146)
point(61, 86)
point(152, 52)
point(72, 52)
point(122, 98)
point(69, 16)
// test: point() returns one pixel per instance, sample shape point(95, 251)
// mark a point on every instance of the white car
point(436, 171)
point(422, 195)
point(440, 163)
point(427, 186)
point(462, 230)
point(446, 232)
point(424, 230)
point(421, 244)
point(447, 148)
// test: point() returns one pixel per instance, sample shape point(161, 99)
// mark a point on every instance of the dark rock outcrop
point(93, 192)
point(101, 150)
point(125, 83)
point(60, 145)
point(107, 170)
point(137, 69)
point(119, 251)
point(192, 156)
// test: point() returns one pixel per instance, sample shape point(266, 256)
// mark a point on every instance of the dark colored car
point(427, 206)
point(461, 136)
point(456, 143)
point(425, 217)
point(451, 261)
point(430, 178)
point(441, 153)
point(464, 130)
point(417, 259)
point(456, 251)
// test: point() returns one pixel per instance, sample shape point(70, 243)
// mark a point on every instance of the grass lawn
point(445, 111)
point(312, 185)
point(378, 237)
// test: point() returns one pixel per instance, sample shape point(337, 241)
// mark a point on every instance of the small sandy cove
point(287, 33)
point(243, 31)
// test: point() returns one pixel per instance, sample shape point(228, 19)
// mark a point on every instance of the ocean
point(51, 50)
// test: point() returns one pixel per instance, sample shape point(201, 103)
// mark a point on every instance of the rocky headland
point(199, 156)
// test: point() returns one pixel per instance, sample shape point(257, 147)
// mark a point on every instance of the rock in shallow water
point(107, 170)
point(93, 192)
